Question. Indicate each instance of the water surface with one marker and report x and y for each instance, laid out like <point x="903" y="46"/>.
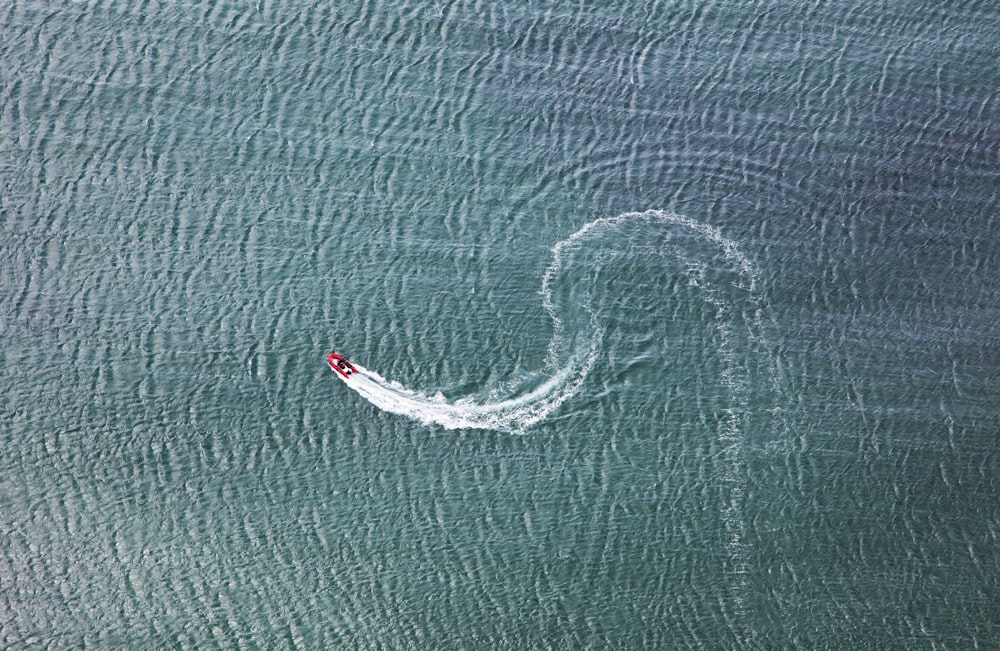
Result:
<point x="774" y="418"/>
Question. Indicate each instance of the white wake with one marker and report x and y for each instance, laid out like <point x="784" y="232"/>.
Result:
<point x="699" y="248"/>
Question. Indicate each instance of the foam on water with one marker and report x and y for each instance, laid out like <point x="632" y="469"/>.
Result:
<point x="571" y="355"/>
<point x="716" y="271"/>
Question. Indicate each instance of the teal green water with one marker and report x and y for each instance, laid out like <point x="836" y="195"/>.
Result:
<point x="678" y="321"/>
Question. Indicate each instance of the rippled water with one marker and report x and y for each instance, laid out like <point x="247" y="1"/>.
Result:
<point x="680" y="321"/>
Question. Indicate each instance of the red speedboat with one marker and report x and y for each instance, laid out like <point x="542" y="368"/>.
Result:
<point x="340" y="364"/>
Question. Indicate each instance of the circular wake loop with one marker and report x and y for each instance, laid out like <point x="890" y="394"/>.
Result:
<point x="574" y="297"/>
<point x="590" y="287"/>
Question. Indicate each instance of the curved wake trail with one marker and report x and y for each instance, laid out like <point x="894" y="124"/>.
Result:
<point x="715" y="271"/>
<point x="699" y="248"/>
